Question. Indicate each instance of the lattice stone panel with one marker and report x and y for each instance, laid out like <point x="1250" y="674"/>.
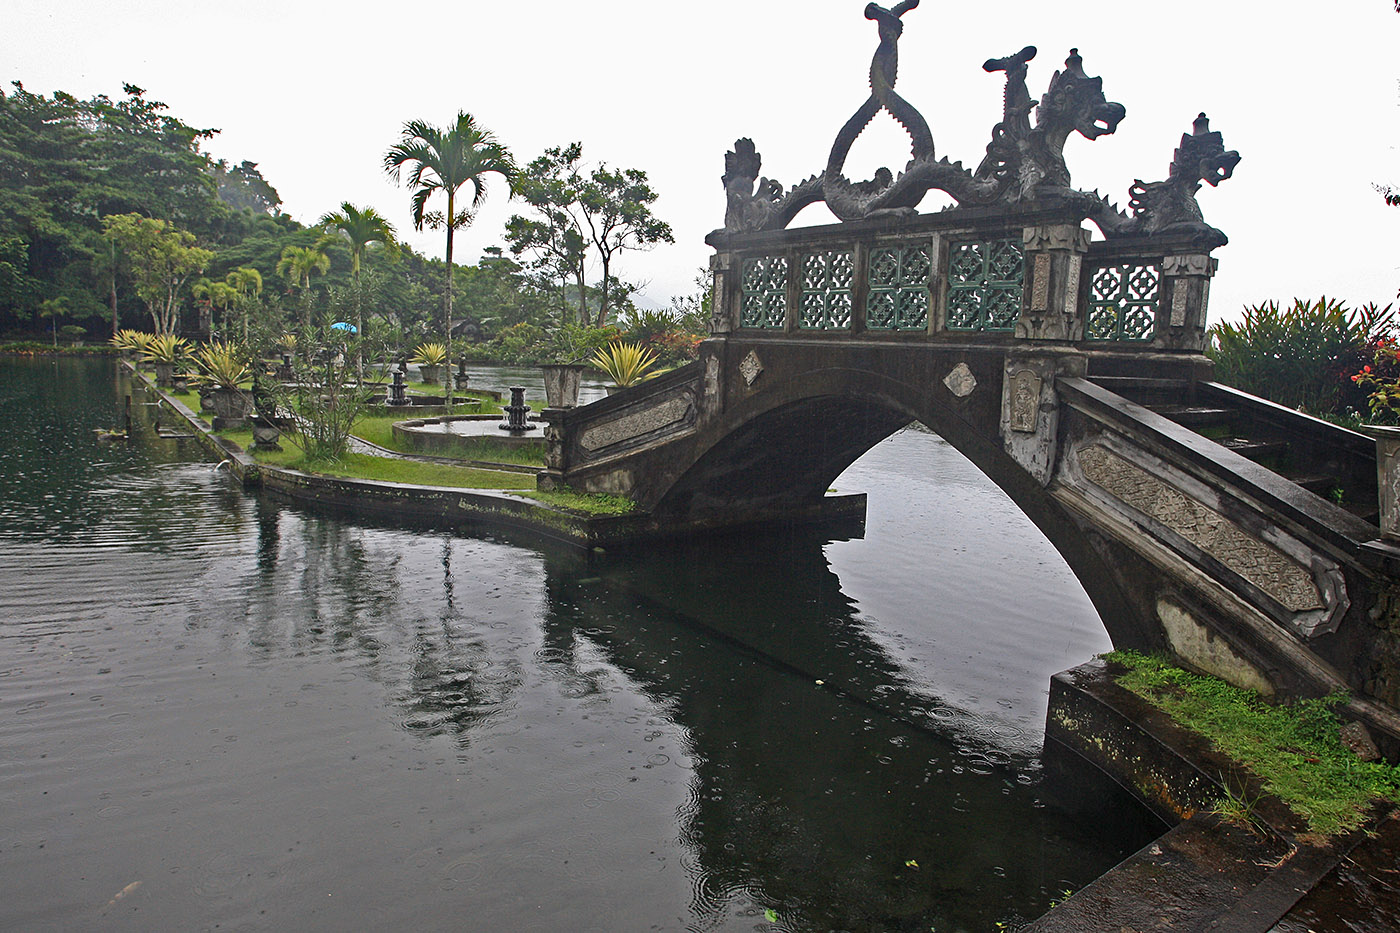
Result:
<point x="899" y="297"/>
<point x="985" y="279"/>
<point x="764" y="292"/>
<point x="827" y="278"/>
<point x="1123" y="303"/>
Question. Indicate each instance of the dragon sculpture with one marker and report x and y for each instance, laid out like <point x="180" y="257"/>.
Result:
<point x="1170" y="206"/>
<point x="1024" y="163"/>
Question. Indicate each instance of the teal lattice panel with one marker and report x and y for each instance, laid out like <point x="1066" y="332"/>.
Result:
<point x="1123" y="303"/>
<point x="985" y="278"/>
<point x="827" y="278"/>
<point x="898" y="297"/>
<point x="764" y="288"/>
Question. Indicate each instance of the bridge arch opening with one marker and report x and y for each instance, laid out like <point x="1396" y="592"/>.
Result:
<point x="786" y="449"/>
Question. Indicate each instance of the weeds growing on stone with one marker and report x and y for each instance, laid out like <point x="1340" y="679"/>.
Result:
<point x="1295" y="750"/>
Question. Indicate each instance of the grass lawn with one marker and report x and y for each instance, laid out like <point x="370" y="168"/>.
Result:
<point x="386" y="469"/>
<point x="1295" y="750"/>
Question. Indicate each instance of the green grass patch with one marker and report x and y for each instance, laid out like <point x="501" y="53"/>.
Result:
<point x="593" y="503"/>
<point x="384" y="469"/>
<point x="1295" y="750"/>
<point x="378" y="429"/>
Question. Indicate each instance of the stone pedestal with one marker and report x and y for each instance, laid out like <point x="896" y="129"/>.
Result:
<point x="1054" y="265"/>
<point x="1181" y="316"/>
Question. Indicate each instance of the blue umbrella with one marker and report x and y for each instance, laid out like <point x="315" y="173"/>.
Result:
<point x="341" y="325"/>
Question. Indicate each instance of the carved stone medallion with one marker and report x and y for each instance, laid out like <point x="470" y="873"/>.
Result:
<point x="960" y="381"/>
<point x="751" y="368"/>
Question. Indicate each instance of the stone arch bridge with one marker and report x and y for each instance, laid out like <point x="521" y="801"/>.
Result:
<point x="1240" y="536"/>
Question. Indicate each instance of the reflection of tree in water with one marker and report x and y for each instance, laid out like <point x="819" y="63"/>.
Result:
<point x="811" y="798"/>
<point x="57" y="483"/>
<point x="391" y="603"/>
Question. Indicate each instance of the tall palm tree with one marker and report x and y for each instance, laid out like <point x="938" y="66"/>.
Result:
<point x="445" y="160"/>
<point x="362" y="229"/>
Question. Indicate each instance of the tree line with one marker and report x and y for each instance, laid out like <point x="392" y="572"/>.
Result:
<point x="113" y="215"/>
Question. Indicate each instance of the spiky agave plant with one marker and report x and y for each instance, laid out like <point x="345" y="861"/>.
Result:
<point x="625" y="364"/>
<point x="165" y="348"/>
<point x="223" y="365"/>
<point x="131" y="341"/>
<point x="429" y="354"/>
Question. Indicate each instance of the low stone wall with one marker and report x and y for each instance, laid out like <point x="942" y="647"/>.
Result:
<point x="1203" y="873"/>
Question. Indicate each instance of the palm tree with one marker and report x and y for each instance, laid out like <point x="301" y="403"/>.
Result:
<point x="445" y="160"/>
<point x="248" y="283"/>
<point x="362" y="229"/>
<point x="296" y="266"/>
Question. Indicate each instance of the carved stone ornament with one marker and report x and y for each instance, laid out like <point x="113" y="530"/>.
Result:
<point x="1190" y="264"/>
<point x="1025" y="401"/>
<point x="1284" y="579"/>
<point x="960" y="381"/>
<point x="668" y="413"/>
<point x="1024" y="162"/>
<point x="751" y="367"/>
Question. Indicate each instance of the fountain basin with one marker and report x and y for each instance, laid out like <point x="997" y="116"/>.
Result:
<point x="464" y="435"/>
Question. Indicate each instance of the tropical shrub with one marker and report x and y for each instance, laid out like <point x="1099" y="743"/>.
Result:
<point x="222" y="365"/>
<point x="429" y="354"/>
<point x="130" y="341"/>
<point x="1303" y="356"/>
<point x="625" y="364"/>
<point x="1379" y="377"/>
<point x="166" y="348"/>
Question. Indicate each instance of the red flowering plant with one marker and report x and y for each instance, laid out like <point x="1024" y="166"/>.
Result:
<point x="1380" y="379"/>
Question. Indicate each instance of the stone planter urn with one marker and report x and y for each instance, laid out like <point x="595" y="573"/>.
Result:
<point x="206" y="400"/>
<point x="231" y="407"/>
<point x="432" y="375"/>
<point x="165" y="375"/>
<point x="561" y="382"/>
<point x="265" y="434"/>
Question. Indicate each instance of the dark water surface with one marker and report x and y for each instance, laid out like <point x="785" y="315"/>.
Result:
<point x="218" y="712"/>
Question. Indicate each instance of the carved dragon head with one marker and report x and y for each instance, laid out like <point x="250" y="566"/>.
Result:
<point x="1201" y="157"/>
<point x="1075" y="102"/>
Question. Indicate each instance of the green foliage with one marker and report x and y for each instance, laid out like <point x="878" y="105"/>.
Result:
<point x="1379" y="377"/>
<point x="582" y="215"/>
<point x="223" y="365"/>
<point x="162" y="259"/>
<point x="1296" y="751"/>
<point x="625" y="364"/>
<point x="1303" y="356"/>
<point x="429" y="354"/>
<point x="127" y="340"/>
<point x="445" y="161"/>
<point x="166" y="348"/>
<point x="66" y="163"/>
<point x="243" y="187"/>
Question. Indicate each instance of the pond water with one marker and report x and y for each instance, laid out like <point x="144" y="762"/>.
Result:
<point x="217" y="711"/>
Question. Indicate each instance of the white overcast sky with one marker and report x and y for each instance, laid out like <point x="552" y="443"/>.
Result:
<point x="315" y="92"/>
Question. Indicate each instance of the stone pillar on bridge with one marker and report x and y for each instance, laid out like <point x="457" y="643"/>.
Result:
<point x="724" y="316"/>
<point x="1054" y="265"/>
<point x="1181" y="316"/>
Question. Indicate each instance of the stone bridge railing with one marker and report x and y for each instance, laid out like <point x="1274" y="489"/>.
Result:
<point x="968" y="274"/>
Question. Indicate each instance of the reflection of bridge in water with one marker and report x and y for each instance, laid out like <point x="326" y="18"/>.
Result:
<point x="1068" y="369"/>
